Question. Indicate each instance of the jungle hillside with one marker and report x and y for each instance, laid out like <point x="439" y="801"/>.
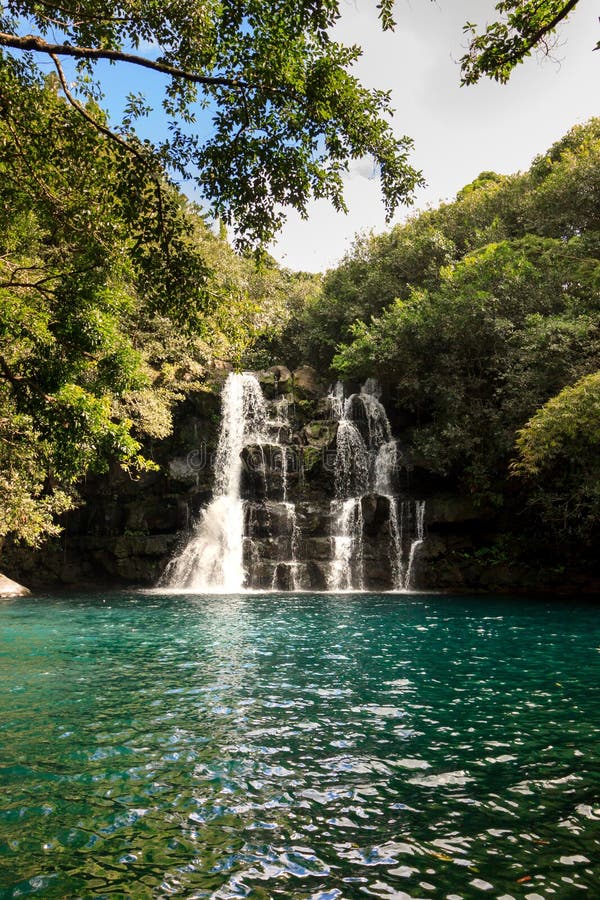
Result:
<point x="119" y="296"/>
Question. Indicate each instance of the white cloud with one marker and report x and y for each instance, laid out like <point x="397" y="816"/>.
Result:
<point x="458" y="132"/>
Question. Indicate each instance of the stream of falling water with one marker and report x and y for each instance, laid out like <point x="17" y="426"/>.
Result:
<point x="366" y="461"/>
<point x="212" y="559"/>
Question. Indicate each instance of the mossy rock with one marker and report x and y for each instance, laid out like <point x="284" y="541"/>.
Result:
<point x="320" y="433"/>
<point x="311" y="457"/>
<point x="275" y="382"/>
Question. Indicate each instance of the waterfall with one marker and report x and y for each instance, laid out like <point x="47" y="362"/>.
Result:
<point x="351" y="478"/>
<point x="351" y="475"/>
<point x="260" y="530"/>
<point x="366" y="462"/>
<point x="212" y="560"/>
<point x="378" y="425"/>
<point x="291" y="566"/>
<point x="416" y="543"/>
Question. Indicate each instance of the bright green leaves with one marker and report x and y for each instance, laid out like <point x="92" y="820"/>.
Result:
<point x="472" y="358"/>
<point x="559" y="456"/>
<point x="291" y="136"/>
<point x="84" y="436"/>
<point x="523" y="26"/>
<point x="501" y="322"/>
<point x="564" y="431"/>
<point x="288" y="116"/>
<point x="78" y="248"/>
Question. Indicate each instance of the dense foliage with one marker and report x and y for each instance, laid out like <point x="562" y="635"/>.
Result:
<point x="473" y="316"/>
<point x="558" y="453"/>
<point x="262" y="106"/>
<point x="114" y="298"/>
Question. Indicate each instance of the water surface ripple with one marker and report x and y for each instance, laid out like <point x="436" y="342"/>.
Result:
<point x="299" y="746"/>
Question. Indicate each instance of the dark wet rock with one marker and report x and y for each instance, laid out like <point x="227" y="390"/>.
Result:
<point x="267" y="519"/>
<point x="265" y="471"/>
<point x="314" y="518"/>
<point x="453" y="508"/>
<point x="316" y="548"/>
<point x="376" y="512"/>
<point x="319" y="433"/>
<point x="318" y="573"/>
<point x="289" y="576"/>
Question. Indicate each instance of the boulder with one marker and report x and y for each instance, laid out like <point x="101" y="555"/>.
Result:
<point x="307" y="384"/>
<point x="10" y="588"/>
<point x="275" y="382"/>
<point x="319" y="433"/>
<point x="283" y="379"/>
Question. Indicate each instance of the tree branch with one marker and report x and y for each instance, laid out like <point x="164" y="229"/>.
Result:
<point x="495" y="53"/>
<point x="39" y="45"/>
<point x="550" y="26"/>
<point x="40" y="183"/>
<point x="17" y="381"/>
<point x="81" y="109"/>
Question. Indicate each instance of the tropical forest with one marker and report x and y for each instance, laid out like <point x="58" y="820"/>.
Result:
<point x="300" y="567"/>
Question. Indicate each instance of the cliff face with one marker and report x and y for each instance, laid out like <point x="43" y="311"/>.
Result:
<point x="307" y="525"/>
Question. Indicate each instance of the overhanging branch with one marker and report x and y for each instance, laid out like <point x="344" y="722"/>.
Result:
<point x="549" y="26"/>
<point x="94" y="122"/>
<point x="37" y="44"/>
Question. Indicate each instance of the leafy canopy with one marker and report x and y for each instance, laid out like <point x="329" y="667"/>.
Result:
<point x="287" y="116"/>
<point x="114" y="296"/>
<point x="558" y="455"/>
<point x="522" y="26"/>
<point x="474" y="315"/>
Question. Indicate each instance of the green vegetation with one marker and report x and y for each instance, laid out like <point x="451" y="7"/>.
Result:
<point x="115" y="298"/>
<point x="558" y="452"/>
<point x="474" y="315"/>
<point x="282" y="113"/>
<point x="522" y="26"/>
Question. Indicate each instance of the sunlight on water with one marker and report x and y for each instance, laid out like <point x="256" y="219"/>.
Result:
<point x="299" y="746"/>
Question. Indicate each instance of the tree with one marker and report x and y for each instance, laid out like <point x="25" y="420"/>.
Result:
<point x="502" y="346"/>
<point x="287" y="114"/>
<point x="558" y="456"/>
<point x="107" y="289"/>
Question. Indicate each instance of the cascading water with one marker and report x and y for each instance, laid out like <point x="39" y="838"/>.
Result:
<point x="366" y="462"/>
<point x="346" y="571"/>
<point x="261" y="529"/>
<point x="419" y="513"/>
<point x="351" y="482"/>
<point x="212" y="560"/>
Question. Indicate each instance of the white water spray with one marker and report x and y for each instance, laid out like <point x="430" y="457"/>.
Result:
<point x="212" y="560"/>
<point x="366" y="462"/>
